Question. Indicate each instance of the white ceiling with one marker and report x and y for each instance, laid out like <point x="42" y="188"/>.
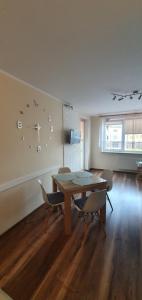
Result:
<point x="78" y="51"/>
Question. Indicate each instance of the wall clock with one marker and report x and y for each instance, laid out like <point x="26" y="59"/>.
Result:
<point x="45" y="123"/>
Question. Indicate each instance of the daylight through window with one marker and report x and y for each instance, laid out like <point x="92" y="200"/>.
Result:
<point x="122" y="135"/>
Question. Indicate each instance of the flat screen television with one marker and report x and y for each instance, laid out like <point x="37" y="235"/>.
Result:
<point x="74" y="136"/>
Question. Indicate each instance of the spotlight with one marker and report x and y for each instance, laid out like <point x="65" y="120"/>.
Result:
<point x="135" y="94"/>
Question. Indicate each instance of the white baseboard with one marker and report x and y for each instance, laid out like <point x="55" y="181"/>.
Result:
<point x="14" y="182"/>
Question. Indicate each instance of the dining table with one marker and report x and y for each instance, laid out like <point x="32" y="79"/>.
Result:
<point x="75" y="183"/>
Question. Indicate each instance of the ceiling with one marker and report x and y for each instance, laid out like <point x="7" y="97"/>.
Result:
<point x="78" y="51"/>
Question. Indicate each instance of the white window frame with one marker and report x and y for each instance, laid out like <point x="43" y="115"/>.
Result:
<point x="103" y="138"/>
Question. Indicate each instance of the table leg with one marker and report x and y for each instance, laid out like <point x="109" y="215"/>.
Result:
<point x="103" y="214"/>
<point x="54" y="189"/>
<point x="67" y="214"/>
<point x="54" y="186"/>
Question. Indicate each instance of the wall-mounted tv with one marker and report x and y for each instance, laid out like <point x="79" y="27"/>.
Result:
<point x="74" y="136"/>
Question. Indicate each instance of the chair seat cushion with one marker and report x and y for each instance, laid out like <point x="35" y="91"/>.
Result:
<point x="80" y="202"/>
<point x="55" y="198"/>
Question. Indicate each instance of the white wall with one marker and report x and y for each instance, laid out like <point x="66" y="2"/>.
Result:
<point x="19" y="201"/>
<point x="112" y="161"/>
<point x="18" y="154"/>
<point x="19" y="159"/>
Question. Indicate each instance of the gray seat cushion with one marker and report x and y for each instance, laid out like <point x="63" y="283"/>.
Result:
<point x="80" y="202"/>
<point x="55" y="198"/>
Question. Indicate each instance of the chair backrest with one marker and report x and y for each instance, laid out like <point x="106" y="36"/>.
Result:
<point x="44" y="194"/>
<point x="95" y="201"/>
<point x="108" y="174"/>
<point x="64" y="170"/>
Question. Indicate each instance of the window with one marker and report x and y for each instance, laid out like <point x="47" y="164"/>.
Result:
<point x="122" y="135"/>
<point x="112" y="136"/>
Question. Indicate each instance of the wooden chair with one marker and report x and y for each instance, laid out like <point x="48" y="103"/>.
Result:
<point x="52" y="199"/>
<point x="90" y="207"/>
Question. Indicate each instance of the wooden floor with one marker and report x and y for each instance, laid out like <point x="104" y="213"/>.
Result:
<point x="37" y="261"/>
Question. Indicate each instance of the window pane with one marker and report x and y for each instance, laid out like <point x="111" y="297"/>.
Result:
<point x="133" y="142"/>
<point x="113" y="137"/>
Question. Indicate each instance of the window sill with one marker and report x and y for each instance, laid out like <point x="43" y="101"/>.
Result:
<point x="121" y="152"/>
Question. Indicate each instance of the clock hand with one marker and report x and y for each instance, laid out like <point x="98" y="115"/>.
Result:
<point x="38" y="128"/>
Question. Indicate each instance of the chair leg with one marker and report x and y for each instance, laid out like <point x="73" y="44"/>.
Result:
<point x="109" y="201"/>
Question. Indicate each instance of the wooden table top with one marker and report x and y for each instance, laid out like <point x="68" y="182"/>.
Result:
<point x="76" y="182"/>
